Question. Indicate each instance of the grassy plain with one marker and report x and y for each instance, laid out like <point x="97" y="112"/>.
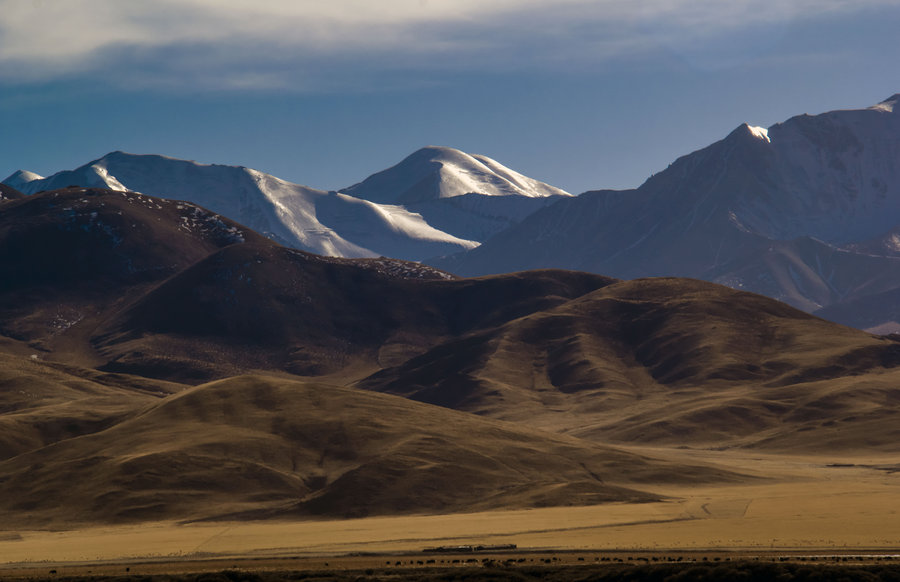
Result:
<point x="813" y="505"/>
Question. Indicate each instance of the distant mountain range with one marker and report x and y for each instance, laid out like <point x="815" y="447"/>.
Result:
<point x="437" y="201"/>
<point x="806" y="211"/>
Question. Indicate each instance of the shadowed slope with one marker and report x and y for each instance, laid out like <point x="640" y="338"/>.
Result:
<point x="9" y="193"/>
<point x="879" y="312"/>
<point x="261" y="447"/>
<point x="667" y="361"/>
<point x="805" y="212"/>
<point x="267" y="307"/>
<point x="69" y="257"/>
<point x="171" y="290"/>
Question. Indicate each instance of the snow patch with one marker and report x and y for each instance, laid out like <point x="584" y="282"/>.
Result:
<point x="887" y="105"/>
<point x="759" y="132"/>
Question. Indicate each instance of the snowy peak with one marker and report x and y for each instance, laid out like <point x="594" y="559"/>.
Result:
<point x="744" y="133"/>
<point x="805" y="211"/>
<point x="433" y="173"/>
<point x="325" y="223"/>
<point x="20" y="179"/>
<point x="92" y="175"/>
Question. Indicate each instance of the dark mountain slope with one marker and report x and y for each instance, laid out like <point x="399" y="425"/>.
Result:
<point x="165" y="288"/>
<point x="70" y="256"/>
<point x="268" y="307"/>
<point x="9" y="193"/>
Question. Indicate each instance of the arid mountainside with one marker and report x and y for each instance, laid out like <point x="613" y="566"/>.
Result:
<point x="160" y="362"/>
<point x="43" y="403"/>
<point x="134" y="283"/>
<point x="255" y="448"/>
<point x="670" y="361"/>
<point x="268" y="307"/>
<point x="68" y="258"/>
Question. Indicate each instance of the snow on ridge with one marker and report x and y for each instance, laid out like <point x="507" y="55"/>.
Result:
<point x="436" y="172"/>
<point x="759" y="132"/>
<point x="888" y="104"/>
<point x="383" y="218"/>
<point x="484" y="175"/>
<point x="106" y="179"/>
<point x="475" y="173"/>
<point x="321" y="222"/>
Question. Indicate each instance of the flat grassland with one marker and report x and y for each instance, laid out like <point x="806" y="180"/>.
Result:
<point x="811" y="505"/>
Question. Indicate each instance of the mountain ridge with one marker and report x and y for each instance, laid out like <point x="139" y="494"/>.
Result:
<point x="720" y="212"/>
<point x="328" y="223"/>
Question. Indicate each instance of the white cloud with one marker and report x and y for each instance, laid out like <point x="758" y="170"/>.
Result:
<point x="246" y="43"/>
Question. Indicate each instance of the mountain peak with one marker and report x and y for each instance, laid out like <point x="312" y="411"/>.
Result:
<point x="435" y="172"/>
<point x="754" y="132"/>
<point x="21" y="177"/>
<point x="759" y="132"/>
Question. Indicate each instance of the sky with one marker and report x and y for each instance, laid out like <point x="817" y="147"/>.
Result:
<point x="582" y="94"/>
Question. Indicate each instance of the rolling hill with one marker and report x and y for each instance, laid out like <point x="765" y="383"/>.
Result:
<point x="141" y="284"/>
<point x="253" y="448"/>
<point x="671" y="362"/>
<point x="161" y="362"/>
<point x="69" y="258"/>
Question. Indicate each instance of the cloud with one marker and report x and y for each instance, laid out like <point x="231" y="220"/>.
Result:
<point x="311" y="44"/>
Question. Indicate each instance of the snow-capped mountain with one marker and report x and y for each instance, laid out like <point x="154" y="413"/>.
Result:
<point x="440" y="172"/>
<point x="20" y="178"/>
<point x="806" y="211"/>
<point x="326" y="223"/>
<point x="469" y="196"/>
<point x="363" y="222"/>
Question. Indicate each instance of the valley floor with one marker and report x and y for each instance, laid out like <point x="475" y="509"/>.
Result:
<point x="814" y="505"/>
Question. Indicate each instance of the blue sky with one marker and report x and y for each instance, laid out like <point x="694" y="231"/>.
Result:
<point x="580" y="94"/>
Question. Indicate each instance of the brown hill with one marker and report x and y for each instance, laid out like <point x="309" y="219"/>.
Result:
<point x="256" y="447"/>
<point x="70" y="257"/>
<point x="265" y="307"/>
<point x="167" y="289"/>
<point x="42" y="403"/>
<point x="9" y="193"/>
<point x="135" y="285"/>
<point x="670" y="361"/>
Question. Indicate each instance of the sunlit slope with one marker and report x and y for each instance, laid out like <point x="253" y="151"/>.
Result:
<point x="670" y="361"/>
<point x="43" y="403"/>
<point x="256" y="447"/>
